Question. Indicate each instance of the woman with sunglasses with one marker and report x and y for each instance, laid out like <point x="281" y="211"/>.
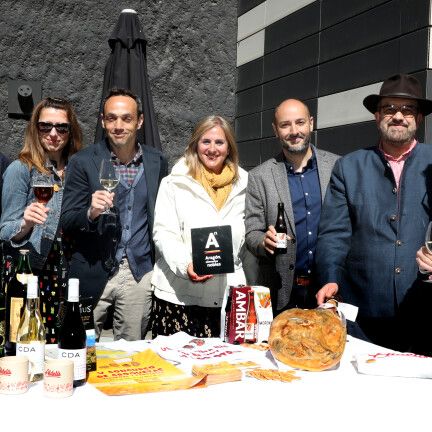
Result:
<point x="52" y="136"/>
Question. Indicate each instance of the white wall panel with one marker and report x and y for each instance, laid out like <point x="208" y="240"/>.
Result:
<point x="251" y="22"/>
<point x="250" y="48"/>
<point x="345" y="107"/>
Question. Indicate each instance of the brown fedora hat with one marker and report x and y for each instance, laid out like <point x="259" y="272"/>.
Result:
<point x="399" y="86"/>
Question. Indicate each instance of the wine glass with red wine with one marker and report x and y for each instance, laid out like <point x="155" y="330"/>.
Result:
<point x="43" y="187"/>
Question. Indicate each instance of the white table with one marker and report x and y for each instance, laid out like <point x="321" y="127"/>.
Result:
<point x="337" y="400"/>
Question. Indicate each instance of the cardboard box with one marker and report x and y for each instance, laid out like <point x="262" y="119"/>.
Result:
<point x="235" y="307"/>
<point x="263" y="308"/>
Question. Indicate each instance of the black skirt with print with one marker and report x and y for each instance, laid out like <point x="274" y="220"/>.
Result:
<point x="197" y="321"/>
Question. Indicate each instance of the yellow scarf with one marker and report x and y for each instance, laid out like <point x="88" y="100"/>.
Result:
<point x="218" y="186"/>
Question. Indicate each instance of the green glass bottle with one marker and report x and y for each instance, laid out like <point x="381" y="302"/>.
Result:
<point x="15" y="298"/>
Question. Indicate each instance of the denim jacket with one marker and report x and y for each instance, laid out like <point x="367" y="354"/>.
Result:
<point x="17" y="194"/>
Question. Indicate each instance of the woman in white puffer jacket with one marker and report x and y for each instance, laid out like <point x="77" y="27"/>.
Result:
<point x="206" y="188"/>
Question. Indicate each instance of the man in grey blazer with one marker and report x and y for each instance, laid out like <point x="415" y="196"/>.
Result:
<point x="298" y="178"/>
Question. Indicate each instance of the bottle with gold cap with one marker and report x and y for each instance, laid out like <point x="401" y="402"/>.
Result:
<point x="31" y="331"/>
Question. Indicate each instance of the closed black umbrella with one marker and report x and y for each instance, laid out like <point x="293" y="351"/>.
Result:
<point x="127" y="68"/>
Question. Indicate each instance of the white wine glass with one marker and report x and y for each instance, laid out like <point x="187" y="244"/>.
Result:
<point x="108" y="178"/>
<point x="428" y="238"/>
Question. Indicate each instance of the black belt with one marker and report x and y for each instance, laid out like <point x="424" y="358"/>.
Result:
<point x="303" y="280"/>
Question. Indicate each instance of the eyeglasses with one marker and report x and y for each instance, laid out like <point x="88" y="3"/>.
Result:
<point x="405" y="110"/>
<point x="61" y="128"/>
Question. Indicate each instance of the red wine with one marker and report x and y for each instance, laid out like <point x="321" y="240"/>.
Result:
<point x="72" y="336"/>
<point x="43" y="193"/>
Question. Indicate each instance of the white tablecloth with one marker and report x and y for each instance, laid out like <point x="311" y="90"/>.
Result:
<point x="336" y="400"/>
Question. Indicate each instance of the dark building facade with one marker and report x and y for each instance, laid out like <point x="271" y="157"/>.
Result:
<point x="63" y="45"/>
<point x="330" y="54"/>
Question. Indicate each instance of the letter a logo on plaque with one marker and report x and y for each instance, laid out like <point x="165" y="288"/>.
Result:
<point x="212" y="250"/>
<point x="211" y="241"/>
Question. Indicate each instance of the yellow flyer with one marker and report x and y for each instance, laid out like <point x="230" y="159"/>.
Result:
<point x="142" y="372"/>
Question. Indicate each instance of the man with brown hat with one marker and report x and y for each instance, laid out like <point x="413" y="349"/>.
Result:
<point x="375" y="215"/>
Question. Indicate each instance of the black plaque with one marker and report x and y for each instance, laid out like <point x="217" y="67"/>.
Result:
<point x="212" y="250"/>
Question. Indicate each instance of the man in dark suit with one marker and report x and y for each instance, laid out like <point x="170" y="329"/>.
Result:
<point x="375" y="215"/>
<point x="298" y="178"/>
<point x="113" y="254"/>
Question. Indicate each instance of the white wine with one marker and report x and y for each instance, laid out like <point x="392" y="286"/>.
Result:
<point x="109" y="184"/>
<point x="15" y="298"/>
<point x="31" y="332"/>
<point x="72" y="336"/>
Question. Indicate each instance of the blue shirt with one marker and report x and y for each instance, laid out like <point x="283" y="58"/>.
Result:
<point x="305" y="194"/>
<point x="131" y="201"/>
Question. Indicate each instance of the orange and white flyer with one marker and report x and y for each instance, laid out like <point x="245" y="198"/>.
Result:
<point x="140" y="373"/>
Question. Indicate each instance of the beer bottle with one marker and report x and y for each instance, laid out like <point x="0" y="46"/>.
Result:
<point x="281" y="231"/>
<point x="251" y="321"/>
<point x="227" y="315"/>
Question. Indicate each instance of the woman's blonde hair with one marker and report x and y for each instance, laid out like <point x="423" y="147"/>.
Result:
<point x="192" y="160"/>
<point x="33" y="154"/>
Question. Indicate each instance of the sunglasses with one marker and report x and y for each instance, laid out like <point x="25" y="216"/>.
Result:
<point x="405" y="110"/>
<point x="61" y="128"/>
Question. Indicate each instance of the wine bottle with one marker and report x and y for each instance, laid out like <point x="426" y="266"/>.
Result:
<point x="72" y="336"/>
<point x="227" y="315"/>
<point x="15" y="296"/>
<point x="31" y="332"/>
<point x="281" y="231"/>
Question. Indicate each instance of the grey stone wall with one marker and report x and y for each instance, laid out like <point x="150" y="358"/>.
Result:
<point x="191" y="59"/>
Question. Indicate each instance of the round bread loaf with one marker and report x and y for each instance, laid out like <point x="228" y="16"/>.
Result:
<point x="309" y="339"/>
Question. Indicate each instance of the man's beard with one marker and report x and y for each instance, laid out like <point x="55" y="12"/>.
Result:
<point x="398" y="139"/>
<point x="297" y="149"/>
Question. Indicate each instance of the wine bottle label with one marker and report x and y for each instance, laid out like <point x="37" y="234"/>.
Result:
<point x="16" y="303"/>
<point x="35" y="352"/>
<point x="79" y="357"/>
<point x="281" y="241"/>
<point x="23" y="277"/>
